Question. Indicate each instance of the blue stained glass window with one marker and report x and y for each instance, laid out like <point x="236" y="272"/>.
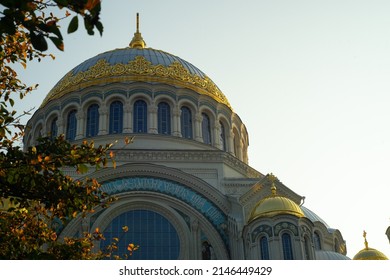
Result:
<point x="53" y="129"/>
<point x="206" y="129"/>
<point x="155" y="235"/>
<point x="92" y="120"/>
<point x="223" y="137"/>
<point x="116" y="117"/>
<point x="264" y="252"/>
<point x="71" y="126"/>
<point x="186" y="122"/>
<point x="140" y="117"/>
<point x="287" y="246"/>
<point x="164" y="118"/>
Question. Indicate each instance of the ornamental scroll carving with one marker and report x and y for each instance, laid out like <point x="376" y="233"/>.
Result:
<point x="136" y="69"/>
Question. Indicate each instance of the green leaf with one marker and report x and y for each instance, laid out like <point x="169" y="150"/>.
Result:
<point x="57" y="42"/>
<point x="73" y="25"/>
<point x="82" y="168"/>
<point x="38" y="41"/>
<point x="99" y="27"/>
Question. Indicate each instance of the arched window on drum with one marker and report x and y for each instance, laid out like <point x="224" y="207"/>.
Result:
<point x="186" y="122"/>
<point x="287" y="246"/>
<point x="116" y="117"/>
<point x="140" y="117"/>
<point x="71" y="125"/>
<point x="264" y="250"/>
<point x="92" y="120"/>
<point x="164" y="118"/>
<point x="53" y="129"/>
<point x="206" y="129"/>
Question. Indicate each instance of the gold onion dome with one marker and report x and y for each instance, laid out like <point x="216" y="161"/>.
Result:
<point x="136" y="63"/>
<point x="368" y="253"/>
<point x="275" y="205"/>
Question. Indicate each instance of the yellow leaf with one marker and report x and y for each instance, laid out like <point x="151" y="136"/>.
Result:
<point x="125" y="228"/>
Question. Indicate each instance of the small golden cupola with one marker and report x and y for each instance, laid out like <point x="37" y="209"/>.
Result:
<point x="137" y="41"/>
<point x="368" y="253"/>
<point x="275" y="204"/>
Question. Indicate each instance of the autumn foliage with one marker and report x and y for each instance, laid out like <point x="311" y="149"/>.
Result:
<point x="36" y="197"/>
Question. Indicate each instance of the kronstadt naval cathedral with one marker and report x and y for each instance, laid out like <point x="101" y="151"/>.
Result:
<point x="184" y="186"/>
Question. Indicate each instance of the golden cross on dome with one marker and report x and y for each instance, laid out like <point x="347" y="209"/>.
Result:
<point x="365" y="239"/>
<point x="272" y="178"/>
<point x="137" y="22"/>
<point x="137" y="41"/>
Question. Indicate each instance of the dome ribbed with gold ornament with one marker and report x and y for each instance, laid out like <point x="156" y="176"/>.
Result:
<point x="275" y="204"/>
<point x="368" y="253"/>
<point x="136" y="63"/>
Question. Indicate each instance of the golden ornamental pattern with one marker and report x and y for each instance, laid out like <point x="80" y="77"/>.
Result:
<point x="136" y="69"/>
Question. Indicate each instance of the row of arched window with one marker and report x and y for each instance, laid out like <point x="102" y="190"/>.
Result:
<point x="287" y="246"/>
<point x="140" y="122"/>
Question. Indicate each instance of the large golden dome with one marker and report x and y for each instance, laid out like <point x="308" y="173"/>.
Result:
<point x="369" y="253"/>
<point x="275" y="205"/>
<point x="133" y="64"/>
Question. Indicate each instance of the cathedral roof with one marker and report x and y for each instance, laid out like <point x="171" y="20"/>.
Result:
<point x="136" y="63"/>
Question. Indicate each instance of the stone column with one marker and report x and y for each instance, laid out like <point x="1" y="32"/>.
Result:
<point x="217" y="135"/>
<point x="103" y="116"/>
<point x="176" y="125"/>
<point x="60" y="126"/>
<point x="152" y="119"/>
<point x="198" y="127"/>
<point x="127" y="118"/>
<point x="80" y="116"/>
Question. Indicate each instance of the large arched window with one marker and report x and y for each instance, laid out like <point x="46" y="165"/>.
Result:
<point x="186" y="122"/>
<point x="164" y="118"/>
<point x="264" y="252"/>
<point x="206" y="129"/>
<point x="155" y="235"/>
<point x="223" y="137"/>
<point x="92" y="120"/>
<point x="53" y="129"/>
<point x="287" y="247"/>
<point x="140" y="117"/>
<point x="116" y="117"/>
<point x="71" y="125"/>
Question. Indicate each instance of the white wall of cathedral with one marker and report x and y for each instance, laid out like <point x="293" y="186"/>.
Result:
<point x="235" y="135"/>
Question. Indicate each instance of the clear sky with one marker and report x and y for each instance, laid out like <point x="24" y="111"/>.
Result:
<point x="310" y="80"/>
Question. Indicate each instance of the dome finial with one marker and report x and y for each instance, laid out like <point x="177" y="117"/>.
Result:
<point x="365" y="239"/>
<point x="137" y="41"/>
<point x="272" y="179"/>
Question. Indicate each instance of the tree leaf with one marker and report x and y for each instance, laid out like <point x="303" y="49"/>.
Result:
<point x="73" y="25"/>
<point x="38" y="41"/>
<point x="82" y="168"/>
<point x="57" y="42"/>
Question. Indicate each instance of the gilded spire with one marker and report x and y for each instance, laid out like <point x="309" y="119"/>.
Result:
<point x="137" y="41"/>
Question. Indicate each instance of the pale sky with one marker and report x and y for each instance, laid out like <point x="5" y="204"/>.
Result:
<point x="310" y="80"/>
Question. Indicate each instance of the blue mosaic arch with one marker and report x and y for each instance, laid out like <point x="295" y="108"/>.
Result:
<point x="197" y="201"/>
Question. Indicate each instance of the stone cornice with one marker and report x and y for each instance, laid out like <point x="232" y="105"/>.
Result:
<point x="211" y="156"/>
